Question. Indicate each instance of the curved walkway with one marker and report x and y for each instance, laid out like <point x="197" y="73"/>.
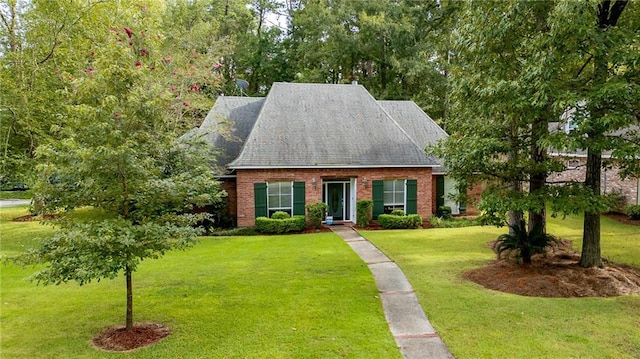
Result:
<point x="410" y="327"/>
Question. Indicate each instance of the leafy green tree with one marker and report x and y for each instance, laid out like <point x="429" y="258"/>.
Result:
<point x="119" y="153"/>
<point x="44" y="44"/>
<point x="601" y="84"/>
<point x="501" y="105"/>
<point x="35" y="39"/>
<point x="520" y="65"/>
<point x="396" y="49"/>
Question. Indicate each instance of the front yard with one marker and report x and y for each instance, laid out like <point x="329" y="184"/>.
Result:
<point x="299" y="296"/>
<point x="479" y="323"/>
<point x="310" y="296"/>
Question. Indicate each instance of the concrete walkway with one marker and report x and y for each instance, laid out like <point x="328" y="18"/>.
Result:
<point x="14" y="202"/>
<point x="410" y="327"/>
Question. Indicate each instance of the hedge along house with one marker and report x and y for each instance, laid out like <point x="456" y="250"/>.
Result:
<point x="305" y="143"/>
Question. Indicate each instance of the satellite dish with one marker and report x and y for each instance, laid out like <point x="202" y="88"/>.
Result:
<point x="242" y="85"/>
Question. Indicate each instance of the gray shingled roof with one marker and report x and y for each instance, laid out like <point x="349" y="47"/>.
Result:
<point x="228" y="125"/>
<point x="416" y="123"/>
<point x="323" y="125"/>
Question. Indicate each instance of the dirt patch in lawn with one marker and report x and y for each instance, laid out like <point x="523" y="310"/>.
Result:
<point x="119" y="339"/>
<point x="557" y="274"/>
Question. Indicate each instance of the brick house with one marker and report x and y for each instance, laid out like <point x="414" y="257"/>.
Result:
<point x="575" y="165"/>
<point x="305" y="143"/>
<point x="610" y="180"/>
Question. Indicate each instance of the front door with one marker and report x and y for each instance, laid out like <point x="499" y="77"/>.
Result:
<point x="335" y="200"/>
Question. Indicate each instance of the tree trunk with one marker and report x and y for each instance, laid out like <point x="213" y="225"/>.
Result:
<point x="591" y="256"/>
<point x="515" y="216"/>
<point x="129" y="299"/>
<point x="608" y="15"/>
<point x="538" y="179"/>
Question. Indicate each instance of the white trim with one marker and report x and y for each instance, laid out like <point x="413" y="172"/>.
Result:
<point x="350" y="197"/>
<point x="393" y="193"/>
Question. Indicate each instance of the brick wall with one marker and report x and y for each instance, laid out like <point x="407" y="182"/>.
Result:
<point x="229" y="185"/>
<point x="609" y="179"/>
<point x="246" y="178"/>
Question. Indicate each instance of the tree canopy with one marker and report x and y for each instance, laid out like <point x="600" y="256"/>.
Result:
<point x="118" y="149"/>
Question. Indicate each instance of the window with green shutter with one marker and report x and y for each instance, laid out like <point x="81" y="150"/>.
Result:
<point x="389" y="195"/>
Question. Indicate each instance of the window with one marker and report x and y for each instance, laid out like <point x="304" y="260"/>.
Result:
<point x="393" y="195"/>
<point x="279" y="197"/>
<point x="388" y="195"/>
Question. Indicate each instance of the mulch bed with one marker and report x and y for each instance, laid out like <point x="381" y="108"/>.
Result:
<point x="557" y="274"/>
<point x="119" y="339"/>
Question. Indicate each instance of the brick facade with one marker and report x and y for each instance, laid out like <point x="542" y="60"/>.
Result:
<point x="245" y="180"/>
<point x="609" y="179"/>
<point x="229" y="185"/>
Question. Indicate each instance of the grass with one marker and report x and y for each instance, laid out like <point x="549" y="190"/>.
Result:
<point x="28" y="194"/>
<point x="299" y="296"/>
<point x="479" y="323"/>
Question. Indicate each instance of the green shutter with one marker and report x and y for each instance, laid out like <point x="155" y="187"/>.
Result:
<point x="260" y="198"/>
<point x="439" y="192"/>
<point x="411" y="207"/>
<point x="377" y="192"/>
<point x="298" y="198"/>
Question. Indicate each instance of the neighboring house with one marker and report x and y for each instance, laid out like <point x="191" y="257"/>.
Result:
<point x="305" y="143"/>
<point x="575" y="170"/>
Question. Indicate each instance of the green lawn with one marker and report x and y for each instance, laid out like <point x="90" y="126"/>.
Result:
<point x="300" y="296"/>
<point x="16" y="194"/>
<point x="479" y="323"/>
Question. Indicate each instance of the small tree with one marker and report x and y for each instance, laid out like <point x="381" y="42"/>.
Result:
<point x="119" y="153"/>
<point x="524" y="243"/>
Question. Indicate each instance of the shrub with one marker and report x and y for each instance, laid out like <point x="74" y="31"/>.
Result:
<point x="492" y="219"/>
<point x="315" y="213"/>
<point x="390" y="221"/>
<point x="280" y="215"/>
<point x="525" y="244"/>
<point x="397" y="212"/>
<point x="633" y="211"/>
<point x="277" y="226"/>
<point x="364" y="208"/>
<point x="444" y="212"/>
<point x="615" y="201"/>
